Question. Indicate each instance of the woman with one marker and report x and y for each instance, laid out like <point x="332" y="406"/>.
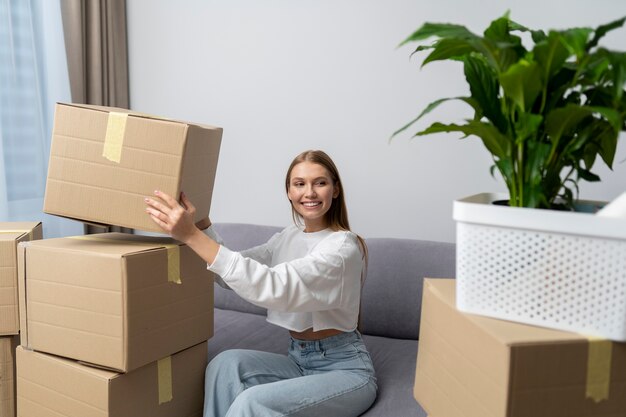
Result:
<point x="309" y="277"/>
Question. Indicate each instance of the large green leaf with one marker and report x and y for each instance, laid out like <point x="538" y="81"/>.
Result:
<point x="596" y="71"/>
<point x="564" y="120"/>
<point x="522" y="83"/>
<point x="440" y="30"/>
<point x="618" y="63"/>
<point x="498" y="144"/>
<point x="534" y="175"/>
<point x="576" y="40"/>
<point x="434" y="105"/>
<point x="550" y="55"/>
<point x="611" y="115"/>
<point x="527" y="126"/>
<point x="608" y="144"/>
<point x="507" y="48"/>
<point x="484" y="87"/>
<point x="537" y="156"/>
<point x="449" y="49"/>
<point x="602" y="30"/>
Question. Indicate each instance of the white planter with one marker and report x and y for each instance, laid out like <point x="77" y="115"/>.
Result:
<point x="564" y="270"/>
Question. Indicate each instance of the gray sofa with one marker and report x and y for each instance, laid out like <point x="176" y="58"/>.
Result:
<point x="390" y="312"/>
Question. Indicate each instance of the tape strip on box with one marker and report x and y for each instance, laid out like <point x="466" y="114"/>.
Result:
<point x="114" y="138"/>
<point x="165" y="380"/>
<point x="598" y="368"/>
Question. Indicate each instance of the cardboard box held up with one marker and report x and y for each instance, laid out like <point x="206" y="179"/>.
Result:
<point x="7" y="375"/>
<point x="104" y="161"/>
<point x="11" y="233"/>
<point x="114" y="300"/>
<point x="49" y="386"/>
<point x="473" y="366"/>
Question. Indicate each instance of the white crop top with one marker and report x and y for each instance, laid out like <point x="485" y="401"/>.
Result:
<point x="305" y="280"/>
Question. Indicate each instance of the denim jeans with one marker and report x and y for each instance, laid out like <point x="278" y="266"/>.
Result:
<point x="327" y="377"/>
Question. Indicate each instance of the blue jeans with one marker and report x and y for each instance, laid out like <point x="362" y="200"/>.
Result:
<point x="328" y="377"/>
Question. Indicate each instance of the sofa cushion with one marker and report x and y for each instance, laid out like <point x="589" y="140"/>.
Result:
<point x="392" y="295"/>
<point x="394" y="359"/>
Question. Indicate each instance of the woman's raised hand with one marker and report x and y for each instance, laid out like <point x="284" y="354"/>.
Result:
<point x="175" y="218"/>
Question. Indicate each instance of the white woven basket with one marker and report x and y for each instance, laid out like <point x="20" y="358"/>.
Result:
<point x="564" y="270"/>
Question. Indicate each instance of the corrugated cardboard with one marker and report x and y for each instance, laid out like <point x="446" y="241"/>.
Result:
<point x="11" y="233"/>
<point x="156" y="153"/>
<point x="7" y="375"/>
<point x="472" y="366"/>
<point x="49" y="386"/>
<point x="107" y="299"/>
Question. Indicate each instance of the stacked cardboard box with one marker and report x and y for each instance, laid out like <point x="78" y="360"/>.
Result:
<point x="471" y="366"/>
<point x="115" y="300"/>
<point x="104" y="161"/>
<point x="7" y="375"/>
<point x="11" y="234"/>
<point x="51" y="386"/>
<point x="115" y="325"/>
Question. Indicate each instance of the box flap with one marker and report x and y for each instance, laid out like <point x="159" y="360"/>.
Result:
<point x="11" y="234"/>
<point x="134" y="113"/>
<point x="15" y="230"/>
<point x="108" y="244"/>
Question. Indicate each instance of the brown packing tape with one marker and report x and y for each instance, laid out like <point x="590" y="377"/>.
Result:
<point x="114" y="137"/>
<point x="172" y="249"/>
<point x="598" y="368"/>
<point x="164" y="368"/>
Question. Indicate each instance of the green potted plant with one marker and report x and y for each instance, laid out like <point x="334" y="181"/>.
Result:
<point x="544" y="112"/>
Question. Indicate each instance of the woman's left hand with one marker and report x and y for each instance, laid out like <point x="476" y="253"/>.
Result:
<point x="175" y="218"/>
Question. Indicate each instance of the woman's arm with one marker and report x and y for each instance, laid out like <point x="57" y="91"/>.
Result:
<point x="176" y="219"/>
<point x="314" y="282"/>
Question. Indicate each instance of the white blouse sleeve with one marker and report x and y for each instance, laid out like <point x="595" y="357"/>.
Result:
<point x="312" y="283"/>
<point x="261" y="253"/>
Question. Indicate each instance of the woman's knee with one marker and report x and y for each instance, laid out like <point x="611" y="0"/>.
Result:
<point x="253" y="401"/>
<point x="230" y="362"/>
<point x="223" y="362"/>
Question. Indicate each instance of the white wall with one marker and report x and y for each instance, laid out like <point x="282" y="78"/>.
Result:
<point x="282" y="76"/>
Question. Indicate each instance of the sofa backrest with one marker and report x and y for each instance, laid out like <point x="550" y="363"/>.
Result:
<point x="391" y="304"/>
<point x="392" y="295"/>
<point x="240" y="236"/>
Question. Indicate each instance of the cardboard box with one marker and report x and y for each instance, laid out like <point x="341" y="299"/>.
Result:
<point x="11" y="234"/>
<point x="49" y="386"/>
<point x="110" y="299"/>
<point x="7" y="375"/>
<point x="104" y="161"/>
<point x="473" y="366"/>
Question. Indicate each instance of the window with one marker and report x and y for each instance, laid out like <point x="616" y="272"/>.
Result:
<point x="33" y="76"/>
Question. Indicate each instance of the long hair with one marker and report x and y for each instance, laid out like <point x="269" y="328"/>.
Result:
<point x="337" y="214"/>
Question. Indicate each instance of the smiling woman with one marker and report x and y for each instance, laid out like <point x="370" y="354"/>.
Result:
<point x="309" y="276"/>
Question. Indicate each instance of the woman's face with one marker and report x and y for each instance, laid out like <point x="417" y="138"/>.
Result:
<point x="311" y="192"/>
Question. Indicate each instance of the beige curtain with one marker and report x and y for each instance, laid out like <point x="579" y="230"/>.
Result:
<point x="97" y="59"/>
